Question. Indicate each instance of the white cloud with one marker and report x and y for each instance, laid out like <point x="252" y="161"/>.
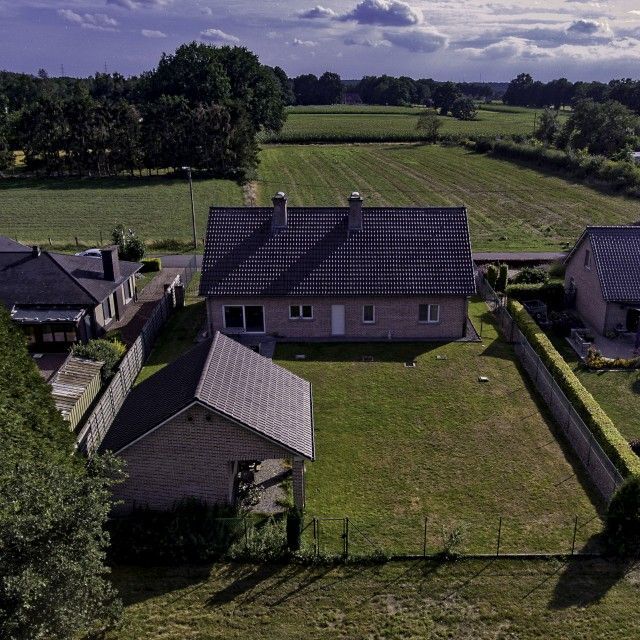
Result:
<point x="417" y="40"/>
<point x="152" y="33"/>
<point x="136" y="4"/>
<point x="386" y="13"/>
<point x="296" y="42"/>
<point x="216" y="35"/>
<point x="94" y="21"/>
<point x="317" y="12"/>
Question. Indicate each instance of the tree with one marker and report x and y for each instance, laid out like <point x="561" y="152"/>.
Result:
<point x="305" y="88"/>
<point x="464" y="108"/>
<point x="6" y="155"/>
<point x="445" y="94"/>
<point x="519" y="90"/>
<point x="286" y="86"/>
<point x="429" y="124"/>
<point x="548" y="126"/>
<point x="54" y="510"/>
<point x="329" y="89"/>
<point x="130" y="247"/>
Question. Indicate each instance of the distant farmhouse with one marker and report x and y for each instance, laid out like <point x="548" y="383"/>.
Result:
<point x="603" y="278"/>
<point x="60" y="299"/>
<point x="338" y="273"/>
<point x="188" y="430"/>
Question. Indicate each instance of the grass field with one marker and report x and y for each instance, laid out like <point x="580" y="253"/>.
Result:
<point x="511" y="206"/>
<point x="467" y="600"/>
<point x="394" y="124"/>
<point x="396" y="444"/>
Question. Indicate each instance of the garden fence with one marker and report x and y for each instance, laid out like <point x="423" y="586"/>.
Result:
<point x="602" y="472"/>
<point x="104" y="412"/>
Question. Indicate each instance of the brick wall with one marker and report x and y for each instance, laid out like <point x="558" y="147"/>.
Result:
<point x="589" y="302"/>
<point x="398" y="315"/>
<point x="190" y="456"/>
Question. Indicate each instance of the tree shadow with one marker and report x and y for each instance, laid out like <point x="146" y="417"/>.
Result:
<point x="249" y="579"/>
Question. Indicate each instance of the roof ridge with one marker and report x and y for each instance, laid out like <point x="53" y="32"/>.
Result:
<point x="51" y="256"/>
<point x="207" y="363"/>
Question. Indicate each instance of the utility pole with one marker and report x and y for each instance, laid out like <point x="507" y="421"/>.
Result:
<point x="193" y="209"/>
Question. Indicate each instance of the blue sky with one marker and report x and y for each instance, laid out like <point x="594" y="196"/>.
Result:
<point x="444" y="39"/>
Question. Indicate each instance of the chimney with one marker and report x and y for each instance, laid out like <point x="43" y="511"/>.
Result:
<point x="355" y="211"/>
<point x="35" y="250"/>
<point x="279" y="220"/>
<point x="110" y="263"/>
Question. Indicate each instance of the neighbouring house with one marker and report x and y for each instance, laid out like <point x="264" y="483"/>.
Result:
<point x="602" y="278"/>
<point x="60" y="299"/>
<point x="187" y="431"/>
<point x="341" y="273"/>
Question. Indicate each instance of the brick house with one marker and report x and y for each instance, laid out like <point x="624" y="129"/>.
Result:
<point x="338" y="273"/>
<point x="185" y="431"/>
<point x="60" y="299"/>
<point x="602" y="277"/>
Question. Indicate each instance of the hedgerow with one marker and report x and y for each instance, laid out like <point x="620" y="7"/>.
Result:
<point x="598" y="422"/>
<point x="551" y="293"/>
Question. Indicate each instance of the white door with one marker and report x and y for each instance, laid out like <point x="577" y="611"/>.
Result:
<point x="337" y="319"/>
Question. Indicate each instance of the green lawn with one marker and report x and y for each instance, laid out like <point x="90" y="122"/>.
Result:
<point x="618" y="392"/>
<point x="511" y="206"/>
<point x="396" y="444"/>
<point x="523" y="600"/>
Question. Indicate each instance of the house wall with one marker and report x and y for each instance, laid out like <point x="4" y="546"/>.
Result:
<point x="190" y="456"/>
<point x="119" y="308"/>
<point x="398" y="315"/>
<point x="589" y="301"/>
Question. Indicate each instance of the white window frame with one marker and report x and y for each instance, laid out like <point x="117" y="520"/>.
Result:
<point x="373" y="309"/>
<point x="129" y="287"/>
<point x="112" y="309"/>
<point x="244" y="318"/>
<point x="430" y="313"/>
<point x="587" y="260"/>
<point x="300" y="316"/>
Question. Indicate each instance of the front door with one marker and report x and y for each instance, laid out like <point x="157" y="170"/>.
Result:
<point x="254" y="319"/>
<point x="337" y="319"/>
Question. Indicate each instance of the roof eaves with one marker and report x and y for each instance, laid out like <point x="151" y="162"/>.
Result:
<point x="207" y="364"/>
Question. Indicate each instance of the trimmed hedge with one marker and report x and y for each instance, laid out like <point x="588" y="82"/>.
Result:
<point x="150" y="264"/>
<point x="551" y="293"/>
<point x="599" y="423"/>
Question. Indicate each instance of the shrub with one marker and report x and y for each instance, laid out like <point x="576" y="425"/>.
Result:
<point x="557" y="269"/>
<point x="492" y="275"/>
<point x="108" y="351"/>
<point x="551" y="293"/>
<point x="595" y="360"/>
<point x="151" y="264"/>
<point x="130" y="247"/>
<point x="503" y="275"/>
<point x="623" y="517"/>
<point x="598" y="422"/>
<point x="530" y="275"/>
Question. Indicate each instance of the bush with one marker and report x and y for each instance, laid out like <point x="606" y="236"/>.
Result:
<point x="530" y="275"/>
<point x="623" y="517"/>
<point x="503" y="275"/>
<point x="151" y="264"/>
<point x="129" y="246"/>
<point x="595" y="360"/>
<point x="108" y="351"/>
<point x="557" y="269"/>
<point x="551" y="293"/>
<point x="492" y="275"/>
<point x="598" y="422"/>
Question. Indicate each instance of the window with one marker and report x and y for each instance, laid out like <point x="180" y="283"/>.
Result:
<point x="129" y="289"/>
<point x="587" y="259"/>
<point x="300" y="311"/>
<point x="429" y="313"/>
<point x="246" y="318"/>
<point x="368" y="314"/>
<point x="107" y="309"/>
<point x="57" y="333"/>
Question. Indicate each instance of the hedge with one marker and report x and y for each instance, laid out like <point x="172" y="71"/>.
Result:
<point x="551" y="293"/>
<point x="150" y="264"/>
<point x="598" y="422"/>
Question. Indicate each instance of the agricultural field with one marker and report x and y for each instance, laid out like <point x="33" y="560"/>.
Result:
<point x="441" y="453"/>
<point x="511" y="206"/>
<point x="479" y="599"/>
<point x="338" y="123"/>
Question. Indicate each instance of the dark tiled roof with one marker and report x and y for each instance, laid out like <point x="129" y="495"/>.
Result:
<point x="616" y="253"/>
<point x="398" y="251"/>
<point x="55" y="279"/>
<point x="233" y="381"/>
<point x="7" y="244"/>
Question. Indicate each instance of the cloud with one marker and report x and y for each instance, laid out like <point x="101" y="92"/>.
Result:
<point x="94" y="21"/>
<point x="152" y="33"/>
<point x="366" y="42"/>
<point x="317" y="12"/>
<point x="587" y="27"/>
<point x="296" y="42"/>
<point x="417" y="40"/>
<point x="136" y="4"/>
<point x="386" y="13"/>
<point x="216" y="35"/>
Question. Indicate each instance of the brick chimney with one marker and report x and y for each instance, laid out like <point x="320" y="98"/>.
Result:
<point x="355" y="211"/>
<point x="279" y="220"/>
<point x="110" y="263"/>
<point x="35" y="250"/>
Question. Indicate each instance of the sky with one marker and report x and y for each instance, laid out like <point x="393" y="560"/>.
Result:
<point x="461" y="40"/>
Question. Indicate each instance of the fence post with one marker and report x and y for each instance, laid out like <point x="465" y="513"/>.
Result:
<point x="575" y="531"/>
<point x="346" y="537"/>
<point x="499" y="536"/>
<point x="424" y="539"/>
<point x="316" y="545"/>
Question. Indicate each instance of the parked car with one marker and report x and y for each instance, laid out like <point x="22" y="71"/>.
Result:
<point x="90" y="253"/>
